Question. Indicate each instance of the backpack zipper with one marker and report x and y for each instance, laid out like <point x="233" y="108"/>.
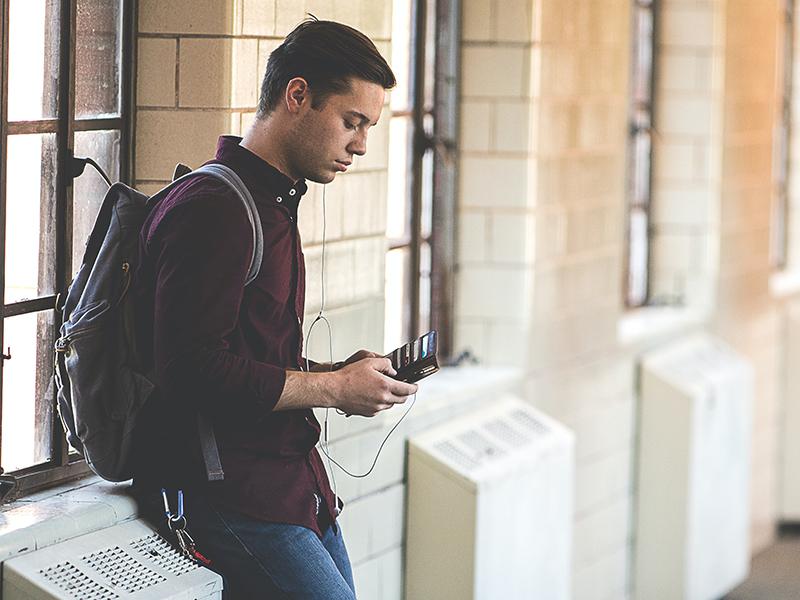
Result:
<point x="62" y="344"/>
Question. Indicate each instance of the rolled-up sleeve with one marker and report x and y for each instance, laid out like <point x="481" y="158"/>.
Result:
<point x="201" y="249"/>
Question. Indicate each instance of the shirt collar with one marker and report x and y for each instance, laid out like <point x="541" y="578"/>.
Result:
<point x="259" y="176"/>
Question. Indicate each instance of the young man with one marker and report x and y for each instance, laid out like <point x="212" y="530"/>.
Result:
<point x="236" y="352"/>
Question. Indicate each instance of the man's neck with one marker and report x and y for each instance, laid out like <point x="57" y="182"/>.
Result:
<point x="263" y="139"/>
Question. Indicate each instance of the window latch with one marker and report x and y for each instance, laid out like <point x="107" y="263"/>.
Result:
<point x="8" y="355"/>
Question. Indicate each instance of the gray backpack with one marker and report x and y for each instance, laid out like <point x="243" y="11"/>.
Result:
<point x="100" y="390"/>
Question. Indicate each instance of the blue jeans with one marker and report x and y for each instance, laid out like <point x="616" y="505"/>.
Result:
<point x="263" y="560"/>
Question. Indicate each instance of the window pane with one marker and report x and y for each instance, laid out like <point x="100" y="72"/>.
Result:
<point x="27" y="391"/>
<point x="90" y="188"/>
<point x="426" y="218"/>
<point x="401" y="54"/>
<point x="398" y="298"/>
<point x="644" y="54"/>
<point x="397" y="215"/>
<point x="638" y="258"/>
<point x="30" y="216"/>
<point x="97" y="58"/>
<point x="424" y="288"/>
<point x="33" y="59"/>
<point x="430" y="56"/>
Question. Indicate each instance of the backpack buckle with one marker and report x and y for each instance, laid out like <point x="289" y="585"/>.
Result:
<point x="62" y="344"/>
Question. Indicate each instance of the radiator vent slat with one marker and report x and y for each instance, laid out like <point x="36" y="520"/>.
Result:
<point x="70" y="579"/>
<point x="122" y="570"/>
<point x="126" y="560"/>
<point x="156" y="549"/>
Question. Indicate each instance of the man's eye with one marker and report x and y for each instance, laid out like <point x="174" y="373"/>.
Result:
<point x="349" y="125"/>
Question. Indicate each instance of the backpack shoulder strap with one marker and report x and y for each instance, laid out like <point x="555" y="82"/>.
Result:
<point x="227" y="175"/>
<point x="205" y="430"/>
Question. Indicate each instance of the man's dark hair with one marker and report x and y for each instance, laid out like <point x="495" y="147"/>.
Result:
<point x="326" y="54"/>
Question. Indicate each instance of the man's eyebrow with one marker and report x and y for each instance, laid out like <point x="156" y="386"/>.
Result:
<point x="363" y="117"/>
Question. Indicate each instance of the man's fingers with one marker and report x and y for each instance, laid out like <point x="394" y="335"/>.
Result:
<point x="384" y="365"/>
<point x="401" y="388"/>
<point x="362" y="354"/>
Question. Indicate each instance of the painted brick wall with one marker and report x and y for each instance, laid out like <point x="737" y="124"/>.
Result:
<point x="746" y="314"/>
<point x="541" y="218"/>
<point x="562" y="312"/>
<point x="199" y="74"/>
<point x="686" y="154"/>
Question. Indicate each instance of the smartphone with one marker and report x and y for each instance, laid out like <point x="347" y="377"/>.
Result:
<point x="415" y="360"/>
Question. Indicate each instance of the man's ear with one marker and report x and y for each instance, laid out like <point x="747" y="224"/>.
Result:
<point x="297" y="94"/>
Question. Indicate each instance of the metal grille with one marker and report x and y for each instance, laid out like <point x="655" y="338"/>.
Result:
<point x="500" y="429"/>
<point x="122" y="570"/>
<point x="456" y="454"/>
<point x="70" y="579"/>
<point x="481" y="447"/>
<point x="528" y="422"/>
<point x="156" y="549"/>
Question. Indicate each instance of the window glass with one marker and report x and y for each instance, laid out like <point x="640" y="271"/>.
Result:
<point x="398" y="297"/>
<point x="30" y="216"/>
<point x="28" y="413"/>
<point x="33" y="59"/>
<point x="97" y="58"/>
<point x="397" y="215"/>
<point x="640" y="156"/>
<point x="89" y="189"/>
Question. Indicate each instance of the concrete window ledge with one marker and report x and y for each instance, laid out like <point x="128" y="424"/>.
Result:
<point x="642" y="326"/>
<point x="451" y="387"/>
<point x="783" y="284"/>
<point x="62" y="513"/>
<point x="448" y="392"/>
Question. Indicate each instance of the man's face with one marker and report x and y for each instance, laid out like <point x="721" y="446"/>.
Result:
<point x="326" y="138"/>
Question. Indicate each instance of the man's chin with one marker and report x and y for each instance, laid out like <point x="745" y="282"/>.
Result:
<point x="325" y="177"/>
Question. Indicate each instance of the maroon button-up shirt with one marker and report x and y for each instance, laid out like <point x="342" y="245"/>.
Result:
<point x="225" y="347"/>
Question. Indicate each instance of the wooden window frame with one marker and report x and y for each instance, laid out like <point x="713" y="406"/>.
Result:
<point x="637" y="268"/>
<point x="442" y="141"/>
<point x="62" y="465"/>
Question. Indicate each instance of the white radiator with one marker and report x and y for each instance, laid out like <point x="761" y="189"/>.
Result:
<point x="490" y="503"/>
<point x="693" y="472"/>
<point x="790" y="421"/>
<point x="126" y="561"/>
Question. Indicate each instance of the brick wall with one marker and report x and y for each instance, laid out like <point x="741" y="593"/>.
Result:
<point x="541" y="224"/>
<point x="541" y="213"/>
<point x="687" y="165"/>
<point x="746" y="314"/>
<point x="199" y="75"/>
<point x="562" y="222"/>
<point x="496" y="217"/>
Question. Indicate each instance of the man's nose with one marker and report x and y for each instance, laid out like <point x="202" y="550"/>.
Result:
<point x="359" y="145"/>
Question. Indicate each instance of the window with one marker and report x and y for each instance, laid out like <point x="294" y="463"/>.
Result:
<point x="640" y="155"/>
<point x="781" y="209"/>
<point x="66" y="84"/>
<point x="421" y="178"/>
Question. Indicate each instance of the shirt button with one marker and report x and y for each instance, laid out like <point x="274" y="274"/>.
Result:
<point x="292" y="192"/>
<point x="280" y="199"/>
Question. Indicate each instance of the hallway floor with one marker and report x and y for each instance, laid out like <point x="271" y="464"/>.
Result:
<point x="775" y="573"/>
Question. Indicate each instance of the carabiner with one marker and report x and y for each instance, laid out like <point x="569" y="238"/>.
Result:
<point x="172" y="520"/>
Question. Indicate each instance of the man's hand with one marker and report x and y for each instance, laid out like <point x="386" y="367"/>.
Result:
<point x="326" y="367"/>
<point x="365" y="386"/>
<point x="361" y="354"/>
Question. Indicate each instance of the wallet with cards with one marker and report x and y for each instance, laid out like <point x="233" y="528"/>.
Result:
<point x="415" y="360"/>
